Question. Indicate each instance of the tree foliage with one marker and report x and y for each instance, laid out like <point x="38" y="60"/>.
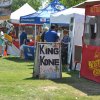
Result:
<point x="33" y="3"/>
<point x="37" y="3"/>
<point x="69" y="3"/>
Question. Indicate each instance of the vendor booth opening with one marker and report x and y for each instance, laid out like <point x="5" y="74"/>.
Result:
<point x="48" y="60"/>
<point x="91" y="44"/>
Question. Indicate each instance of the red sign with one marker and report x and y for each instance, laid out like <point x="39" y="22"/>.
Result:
<point x="90" y="67"/>
<point x="93" y="10"/>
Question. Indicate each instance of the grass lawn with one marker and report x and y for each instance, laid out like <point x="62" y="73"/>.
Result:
<point x="16" y="83"/>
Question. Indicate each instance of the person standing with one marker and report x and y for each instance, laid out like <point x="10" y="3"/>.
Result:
<point x="23" y="41"/>
<point x="51" y="35"/>
<point x="23" y="37"/>
<point x="2" y="43"/>
<point x="45" y="29"/>
<point x="64" y="48"/>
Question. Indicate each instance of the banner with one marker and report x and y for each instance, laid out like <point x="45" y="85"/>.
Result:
<point x="90" y="67"/>
<point x="93" y="10"/>
<point x="49" y="60"/>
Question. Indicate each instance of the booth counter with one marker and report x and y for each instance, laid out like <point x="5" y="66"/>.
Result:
<point x="90" y="67"/>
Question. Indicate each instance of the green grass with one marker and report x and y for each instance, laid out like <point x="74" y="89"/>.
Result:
<point x="16" y="83"/>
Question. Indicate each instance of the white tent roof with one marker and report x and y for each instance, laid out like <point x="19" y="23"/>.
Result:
<point x="24" y="10"/>
<point x="63" y="17"/>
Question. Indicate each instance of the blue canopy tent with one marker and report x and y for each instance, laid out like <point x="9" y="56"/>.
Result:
<point x="43" y="15"/>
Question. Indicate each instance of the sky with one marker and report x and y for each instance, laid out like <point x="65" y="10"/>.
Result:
<point x="44" y="3"/>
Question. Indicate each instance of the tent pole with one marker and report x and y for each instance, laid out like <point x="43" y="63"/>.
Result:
<point x="70" y="45"/>
<point x="19" y="32"/>
<point x="35" y="34"/>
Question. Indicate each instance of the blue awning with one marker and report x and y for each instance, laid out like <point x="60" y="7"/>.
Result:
<point x="43" y="15"/>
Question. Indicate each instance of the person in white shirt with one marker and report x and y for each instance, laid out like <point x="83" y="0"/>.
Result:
<point x="2" y="43"/>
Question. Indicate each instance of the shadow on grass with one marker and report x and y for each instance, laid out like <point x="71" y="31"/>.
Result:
<point x="30" y="65"/>
<point x="87" y="86"/>
<point x="17" y="59"/>
<point x="31" y="78"/>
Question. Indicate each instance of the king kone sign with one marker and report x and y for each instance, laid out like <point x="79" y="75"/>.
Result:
<point x="49" y="60"/>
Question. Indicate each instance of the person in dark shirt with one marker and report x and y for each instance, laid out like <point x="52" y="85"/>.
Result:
<point x="23" y="38"/>
<point x="64" y="48"/>
<point x="23" y="41"/>
<point x="51" y="35"/>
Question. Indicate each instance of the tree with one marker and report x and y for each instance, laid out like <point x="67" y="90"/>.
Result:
<point x="37" y="3"/>
<point x="33" y="3"/>
<point x="69" y="3"/>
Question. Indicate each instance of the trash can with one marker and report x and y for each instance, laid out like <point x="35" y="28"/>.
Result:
<point x="28" y="52"/>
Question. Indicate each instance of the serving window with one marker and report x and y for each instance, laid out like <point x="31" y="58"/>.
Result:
<point x="92" y="30"/>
